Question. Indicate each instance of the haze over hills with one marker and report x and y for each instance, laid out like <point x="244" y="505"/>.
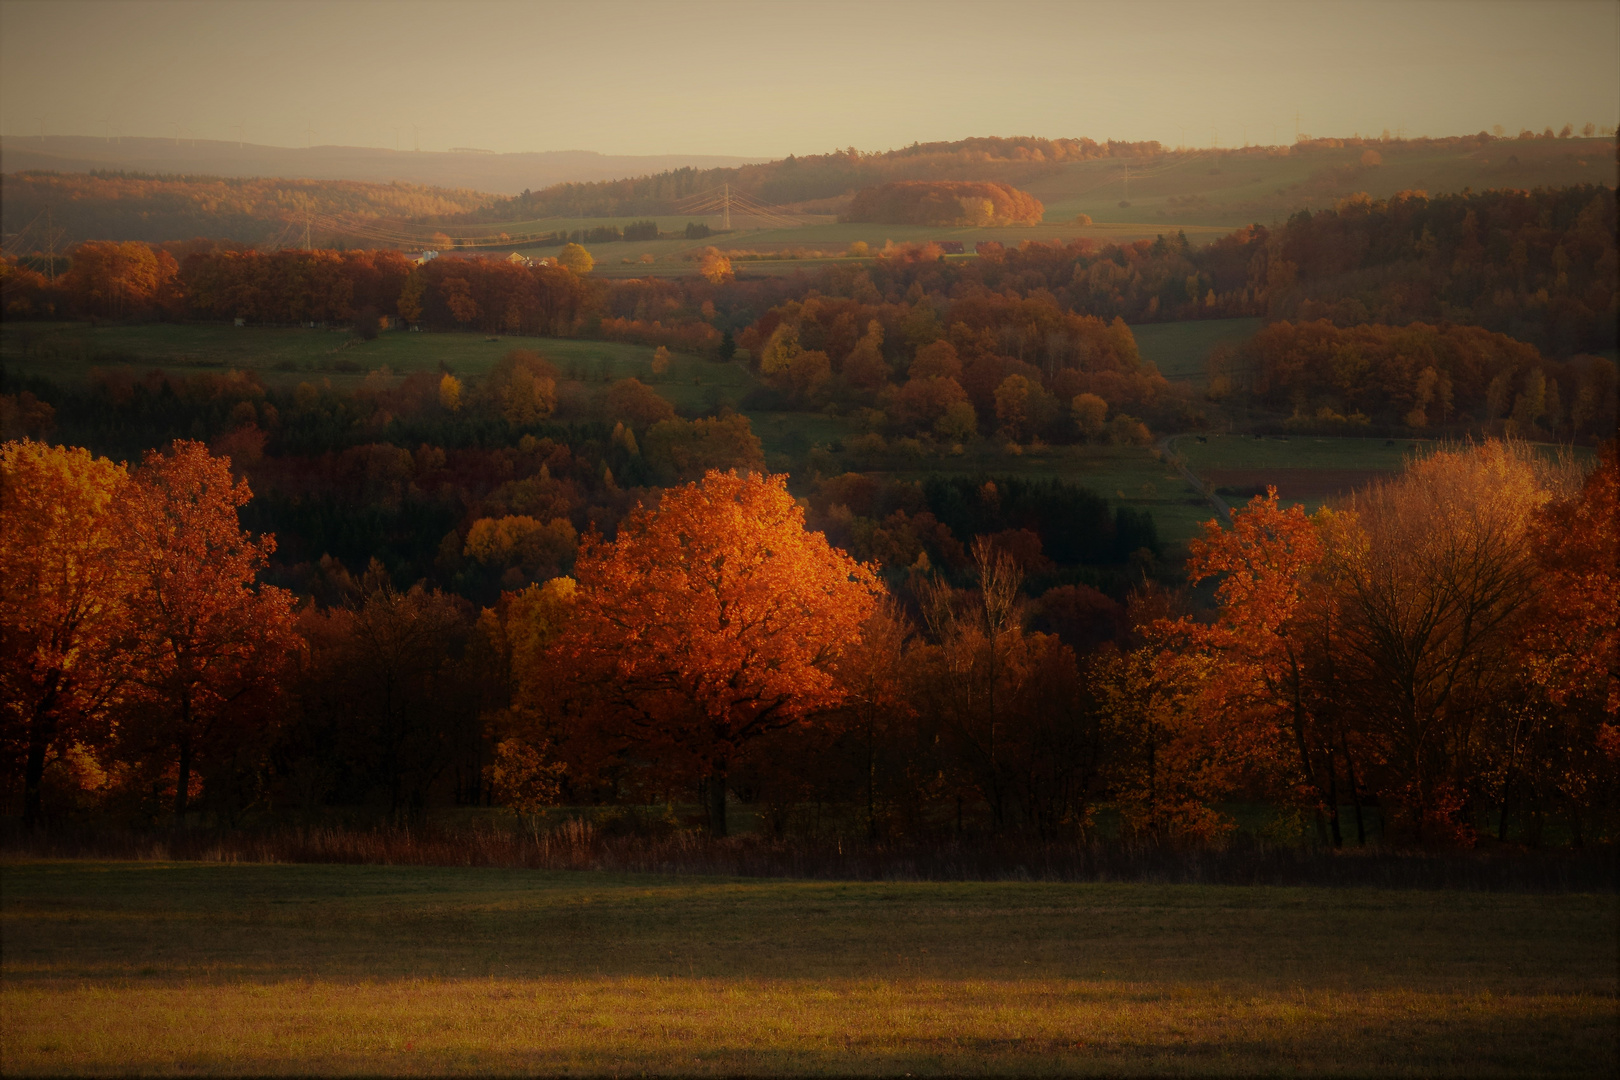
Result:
<point x="505" y="174"/>
<point x="1113" y="191"/>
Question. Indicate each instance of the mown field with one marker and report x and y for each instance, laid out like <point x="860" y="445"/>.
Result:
<point x="68" y="352"/>
<point x="677" y="256"/>
<point x="232" y="968"/>
<point x="1180" y="350"/>
<point x="1307" y="469"/>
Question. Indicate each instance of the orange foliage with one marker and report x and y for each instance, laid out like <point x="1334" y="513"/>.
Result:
<point x="711" y="619"/>
<point x="945" y="202"/>
<point x="62" y="621"/>
<point x="209" y="643"/>
<point x="1576" y="639"/>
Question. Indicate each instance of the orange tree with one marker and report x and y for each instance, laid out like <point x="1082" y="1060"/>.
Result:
<point x="62" y="616"/>
<point x="1272" y="615"/>
<point x="1572" y="653"/>
<point x="209" y="645"/>
<point x="713" y="618"/>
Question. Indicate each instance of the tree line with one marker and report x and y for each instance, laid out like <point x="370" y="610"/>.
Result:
<point x="944" y="202"/>
<point x="1430" y="662"/>
<point x="1459" y="287"/>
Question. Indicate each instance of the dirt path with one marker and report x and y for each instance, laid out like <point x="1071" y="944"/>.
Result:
<point x="1222" y="511"/>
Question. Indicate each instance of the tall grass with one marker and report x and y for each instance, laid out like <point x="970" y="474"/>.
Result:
<point x="577" y="844"/>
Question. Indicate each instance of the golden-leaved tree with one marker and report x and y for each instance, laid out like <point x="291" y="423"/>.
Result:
<point x="62" y="614"/>
<point x="712" y="618"/>
<point x="210" y="646"/>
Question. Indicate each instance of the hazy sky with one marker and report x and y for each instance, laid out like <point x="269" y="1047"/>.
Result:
<point x="769" y="79"/>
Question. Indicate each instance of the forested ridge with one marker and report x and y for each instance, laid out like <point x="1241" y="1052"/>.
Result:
<point x="159" y="209"/>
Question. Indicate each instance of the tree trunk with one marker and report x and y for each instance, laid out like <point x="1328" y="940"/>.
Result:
<point x="40" y="734"/>
<point x="182" y="786"/>
<point x="1333" y="801"/>
<point x="716" y="786"/>
<point x="1355" y="788"/>
<point x="871" y="777"/>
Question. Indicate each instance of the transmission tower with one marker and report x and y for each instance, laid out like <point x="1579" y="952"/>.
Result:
<point x="50" y="243"/>
<point x="725" y="214"/>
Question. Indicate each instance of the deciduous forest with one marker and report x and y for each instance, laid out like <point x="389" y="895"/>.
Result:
<point x="228" y="601"/>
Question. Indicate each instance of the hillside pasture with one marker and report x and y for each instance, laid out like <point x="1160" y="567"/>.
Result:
<point x="1306" y="469"/>
<point x="68" y="352"/>
<point x="1180" y="350"/>
<point x="257" y="969"/>
<point x="1236" y="186"/>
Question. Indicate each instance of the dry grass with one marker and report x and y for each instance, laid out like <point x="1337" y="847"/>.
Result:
<point x="753" y="1026"/>
<point x="196" y="968"/>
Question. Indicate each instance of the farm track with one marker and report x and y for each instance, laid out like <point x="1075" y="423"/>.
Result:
<point x="1222" y="510"/>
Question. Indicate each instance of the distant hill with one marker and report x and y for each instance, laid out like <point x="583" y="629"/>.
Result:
<point x="1141" y="188"/>
<point x="159" y="209"/>
<point x="506" y="174"/>
<point x="1108" y="181"/>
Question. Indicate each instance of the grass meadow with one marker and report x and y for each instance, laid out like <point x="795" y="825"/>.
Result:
<point x="1180" y="350"/>
<point x="1307" y="469"/>
<point x="284" y="357"/>
<point x="143" y="967"/>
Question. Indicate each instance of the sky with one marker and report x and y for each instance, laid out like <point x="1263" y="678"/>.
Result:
<point x="767" y="79"/>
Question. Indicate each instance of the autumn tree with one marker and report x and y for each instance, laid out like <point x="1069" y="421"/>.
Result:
<point x="210" y="645"/>
<point x="384" y="692"/>
<point x="875" y="703"/>
<point x="687" y="449"/>
<point x="716" y="267"/>
<point x="713" y="618"/>
<point x="523" y="387"/>
<point x="575" y="258"/>
<point x="1165" y="762"/>
<point x="1439" y="579"/>
<point x="1566" y="745"/>
<point x="63" y="620"/>
<point x="1272" y="614"/>
<point x="1003" y="701"/>
<point x="117" y="279"/>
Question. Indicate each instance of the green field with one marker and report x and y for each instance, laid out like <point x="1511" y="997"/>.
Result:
<point x="285" y="357"/>
<point x="676" y="256"/>
<point x="1307" y="469"/>
<point x="1180" y="350"/>
<point x="236" y="968"/>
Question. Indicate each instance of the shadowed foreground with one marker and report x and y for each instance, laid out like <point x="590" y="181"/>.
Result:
<point x="153" y="967"/>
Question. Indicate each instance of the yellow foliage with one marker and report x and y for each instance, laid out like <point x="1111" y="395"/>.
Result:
<point x="450" y="392"/>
